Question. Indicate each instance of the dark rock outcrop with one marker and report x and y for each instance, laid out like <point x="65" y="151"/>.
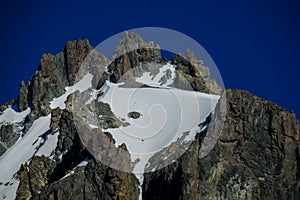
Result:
<point x="134" y="115"/>
<point x="55" y="72"/>
<point x="191" y="74"/>
<point x="34" y="177"/>
<point x="7" y="137"/>
<point x="49" y="82"/>
<point x="94" y="181"/>
<point x="132" y="57"/>
<point x="74" y="53"/>
<point x="23" y="99"/>
<point x="184" y="80"/>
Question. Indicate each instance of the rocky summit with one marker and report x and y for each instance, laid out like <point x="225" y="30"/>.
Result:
<point x="45" y="156"/>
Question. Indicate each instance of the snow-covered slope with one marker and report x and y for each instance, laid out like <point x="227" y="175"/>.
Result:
<point x="163" y="78"/>
<point x="10" y="116"/>
<point x="21" y="152"/>
<point x="165" y="114"/>
<point x="81" y="86"/>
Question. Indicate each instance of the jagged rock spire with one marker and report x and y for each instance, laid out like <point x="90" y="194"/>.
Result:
<point x="130" y="42"/>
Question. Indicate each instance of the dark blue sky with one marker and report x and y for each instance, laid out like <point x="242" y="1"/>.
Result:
<point x="255" y="44"/>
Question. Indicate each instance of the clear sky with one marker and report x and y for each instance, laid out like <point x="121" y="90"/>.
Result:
<point x="255" y="44"/>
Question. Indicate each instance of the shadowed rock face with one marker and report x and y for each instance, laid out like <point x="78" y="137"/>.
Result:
<point x="191" y="74"/>
<point x="132" y="56"/>
<point x="257" y="155"/>
<point x="75" y="52"/>
<point x="7" y="137"/>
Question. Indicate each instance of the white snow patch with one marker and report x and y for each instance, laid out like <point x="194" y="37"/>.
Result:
<point x="11" y="116"/>
<point x="68" y="174"/>
<point x="166" y="114"/>
<point x="93" y="126"/>
<point x="94" y="94"/>
<point x="61" y="155"/>
<point x="49" y="146"/>
<point x="140" y="177"/>
<point x="20" y="153"/>
<point x="163" y="111"/>
<point x="82" y="164"/>
<point x="82" y="85"/>
<point x="154" y="80"/>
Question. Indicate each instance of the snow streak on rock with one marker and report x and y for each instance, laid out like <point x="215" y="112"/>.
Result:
<point x="81" y="86"/>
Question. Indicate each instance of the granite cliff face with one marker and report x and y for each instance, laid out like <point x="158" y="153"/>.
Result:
<point x="257" y="155"/>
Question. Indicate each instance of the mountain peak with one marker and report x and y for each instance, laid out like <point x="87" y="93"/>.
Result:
<point x="131" y="41"/>
<point x="68" y="135"/>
